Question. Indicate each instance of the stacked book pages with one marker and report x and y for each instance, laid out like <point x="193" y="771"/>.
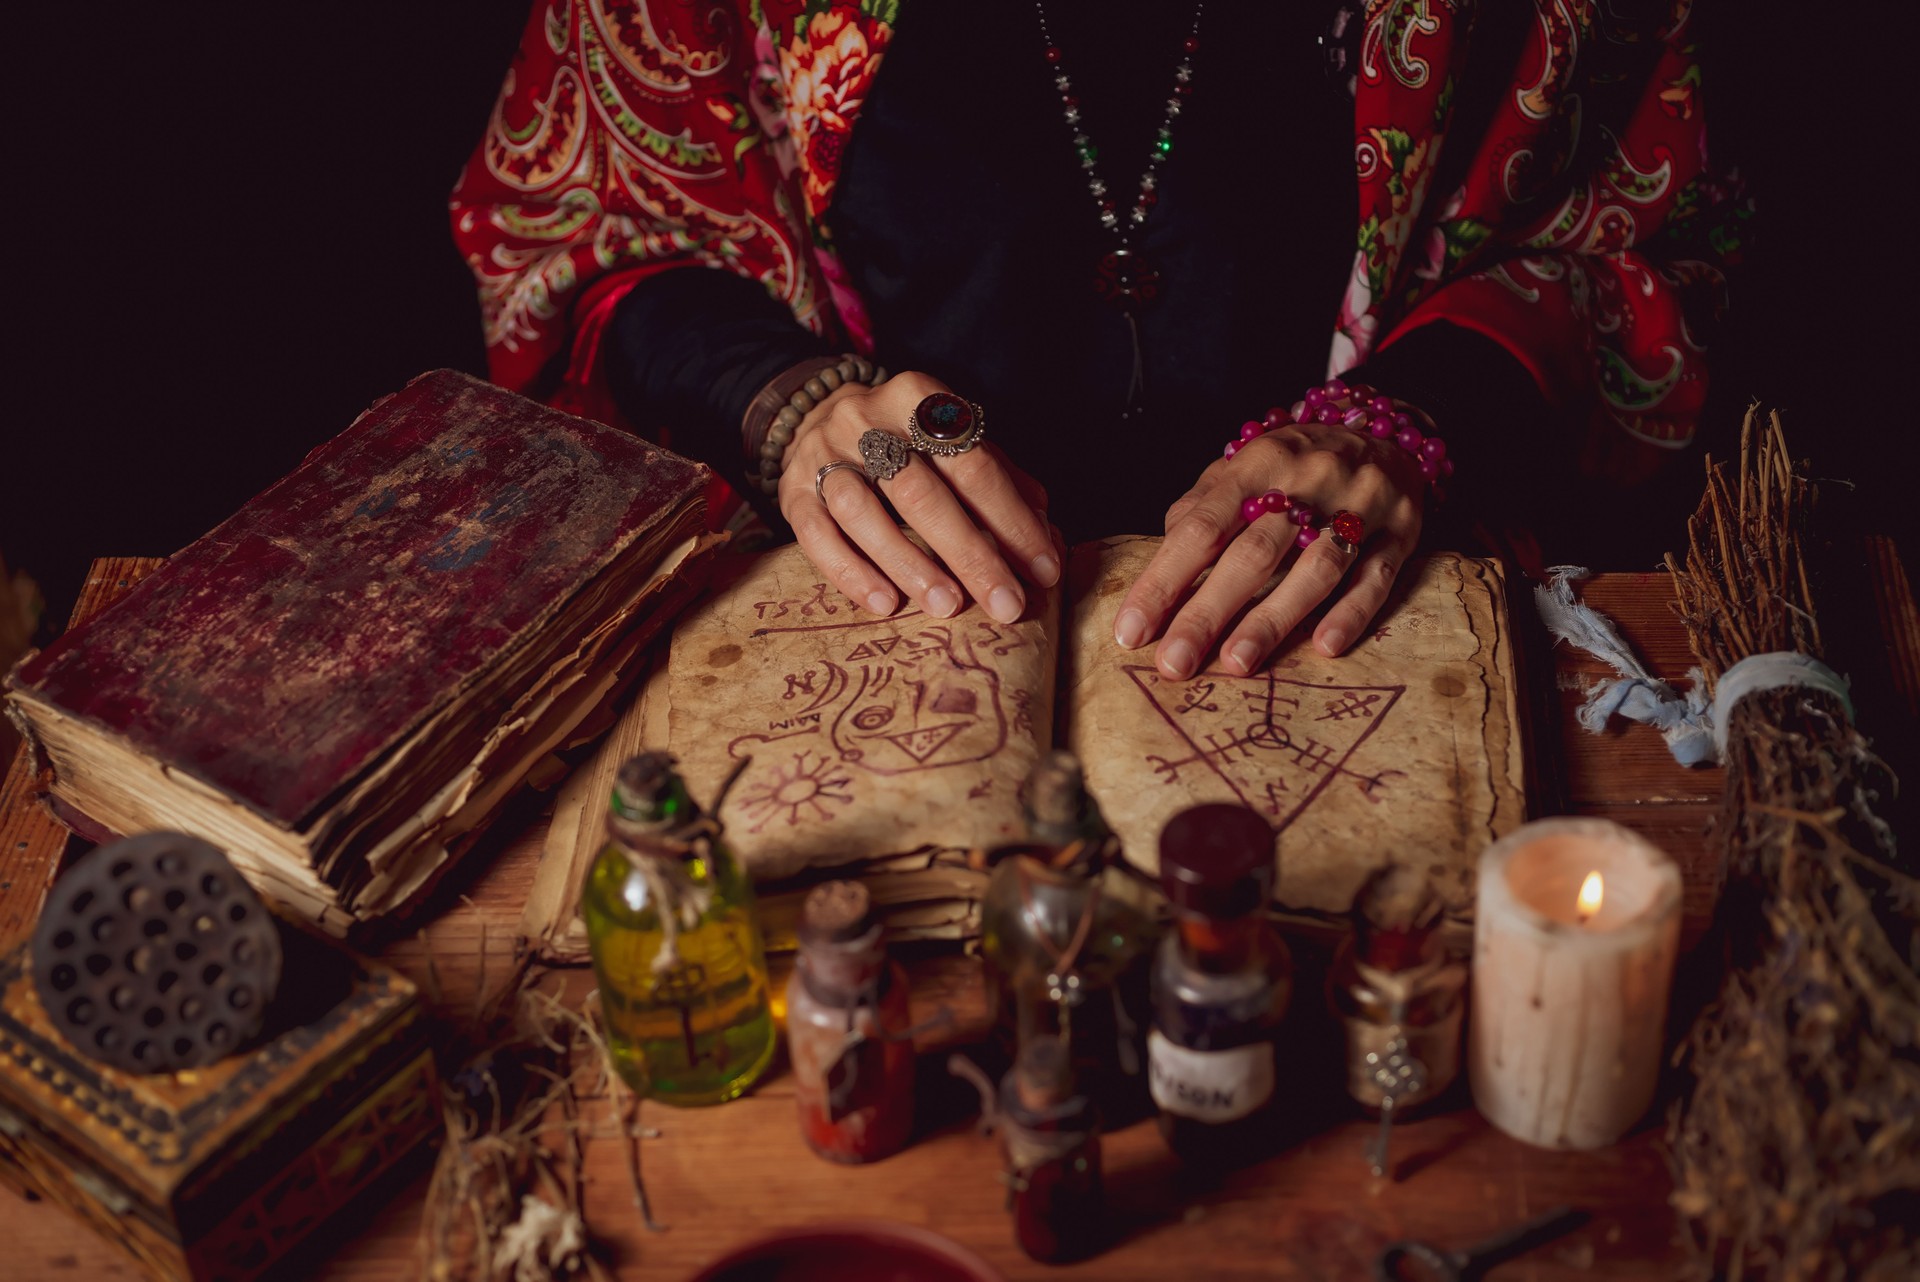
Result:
<point x="341" y="683"/>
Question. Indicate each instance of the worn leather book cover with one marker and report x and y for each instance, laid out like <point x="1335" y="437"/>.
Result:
<point x="889" y="748"/>
<point x="331" y="680"/>
<point x="219" y="1172"/>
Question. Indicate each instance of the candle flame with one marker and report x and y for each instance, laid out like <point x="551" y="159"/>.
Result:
<point x="1591" y="892"/>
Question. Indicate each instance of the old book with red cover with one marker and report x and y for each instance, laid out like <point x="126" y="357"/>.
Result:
<point x="344" y="679"/>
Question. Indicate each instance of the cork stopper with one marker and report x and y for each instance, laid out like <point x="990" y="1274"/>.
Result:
<point x="641" y="784"/>
<point x="836" y="912"/>
<point x="1398" y="898"/>
<point x="1056" y="795"/>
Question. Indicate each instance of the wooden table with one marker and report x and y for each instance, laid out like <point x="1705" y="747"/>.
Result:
<point x="720" y="1176"/>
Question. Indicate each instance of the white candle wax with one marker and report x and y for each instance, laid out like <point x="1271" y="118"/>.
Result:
<point x="1569" y="1013"/>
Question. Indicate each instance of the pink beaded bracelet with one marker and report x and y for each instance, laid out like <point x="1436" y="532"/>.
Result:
<point x="1363" y="409"/>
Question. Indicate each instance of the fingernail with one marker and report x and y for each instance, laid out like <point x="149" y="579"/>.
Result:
<point x="1245" y="655"/>
<point x="881" y="603"/>
<point x="1332" y="642"/>
<point x="1177" y="659"/>
<point x="1004" y="604"/>
<point x="1046" y="570"/>
<point x="1130" y="629"/>
<point x="943" y="601"/>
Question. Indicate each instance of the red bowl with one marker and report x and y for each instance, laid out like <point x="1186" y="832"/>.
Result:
<point x="850" y="1251"/>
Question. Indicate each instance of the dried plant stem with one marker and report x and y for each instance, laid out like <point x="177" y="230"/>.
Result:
<point x="1797" y="1158"/>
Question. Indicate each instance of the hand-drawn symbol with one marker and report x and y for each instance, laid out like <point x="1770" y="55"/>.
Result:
<point x="913" y="695"/>
<point x="800" y="792"/>
<point x="1256" y="753"/>
<point x="1199" y="695"/>
<point x="1349" y="704"/>
<point x="873" y="648"/>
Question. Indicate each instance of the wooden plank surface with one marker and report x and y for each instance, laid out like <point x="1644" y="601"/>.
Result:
<point x="720" y="1176"/>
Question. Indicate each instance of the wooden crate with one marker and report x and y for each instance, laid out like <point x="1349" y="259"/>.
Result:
<point x="216" y="1173"/>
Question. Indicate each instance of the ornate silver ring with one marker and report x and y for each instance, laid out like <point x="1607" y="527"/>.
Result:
<point x="946" y="424"/>
<point x="883" y="454"/>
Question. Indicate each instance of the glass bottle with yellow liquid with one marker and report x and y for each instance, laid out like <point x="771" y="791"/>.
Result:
<point x="670" y="921"/>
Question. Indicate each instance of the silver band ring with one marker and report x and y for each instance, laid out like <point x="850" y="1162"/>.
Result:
<point x="820" y="477"/>
<point x="946" y="424"/>
<point x="883" y="454"/>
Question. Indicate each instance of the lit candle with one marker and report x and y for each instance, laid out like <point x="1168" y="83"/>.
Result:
<point x="1575" y="934"/>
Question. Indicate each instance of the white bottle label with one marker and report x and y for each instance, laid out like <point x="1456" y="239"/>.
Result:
<point x="1209" y="1086"/>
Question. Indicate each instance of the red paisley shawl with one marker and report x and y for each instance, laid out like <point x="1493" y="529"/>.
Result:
<point x="1585" y="231"/>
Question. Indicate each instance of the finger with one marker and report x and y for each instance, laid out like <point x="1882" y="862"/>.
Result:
<point x="1315" y="574"/>
<point x="1190" y="546"/>
<point x="1184" y="504"/>
<point x="981" y="482"/>
<point x="836" y="559"/>
<point x="1368" y="584"/>
<point x="1242" y="571"/>
<point x="863" y="518"/>
<point x="1032" y="493"/>
<point x="922" y="498"/>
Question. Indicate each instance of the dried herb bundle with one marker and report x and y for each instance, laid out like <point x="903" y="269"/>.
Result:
<point x="1798" y="1154"/>
<point x="507" y="1197"/>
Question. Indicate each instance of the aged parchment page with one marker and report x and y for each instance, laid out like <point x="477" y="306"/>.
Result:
<point x="869" y="736"/>
<point x="1406" y="747"/>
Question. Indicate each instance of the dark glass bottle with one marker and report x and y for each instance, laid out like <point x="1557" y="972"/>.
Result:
<point x="1221" y="984"/>
<point x="847" y="1030"/>
<point x="1068" y="936"/>
<point x="676" y="949"/>
<point x="1399" y="996"/>
<point x="1051" y="1139"/>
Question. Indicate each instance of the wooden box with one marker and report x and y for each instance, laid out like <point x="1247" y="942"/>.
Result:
<point x="216" y="1173"/>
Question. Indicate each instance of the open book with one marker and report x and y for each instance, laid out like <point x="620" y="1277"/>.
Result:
<point x="889" y="748"/>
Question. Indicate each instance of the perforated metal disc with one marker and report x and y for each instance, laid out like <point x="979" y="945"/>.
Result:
<point x="153" y="955"/>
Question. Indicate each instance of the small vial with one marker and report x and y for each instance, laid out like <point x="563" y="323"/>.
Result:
<point x="676" y="949"/>
<point x="1221" y="984"/>
<point x="1051" y="1140"/>
<point x="1400" y="997"/>
<point x="847" y="1030"/>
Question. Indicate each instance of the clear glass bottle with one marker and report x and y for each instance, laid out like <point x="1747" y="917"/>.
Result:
<point x="1068" y="936"/>
<point x="847" y="1030"/>
<point x="1221" y="985"/>
<point x="1051" y="1141"/>
<point x="670" y="922"/>
<point x="1400" y="997"/>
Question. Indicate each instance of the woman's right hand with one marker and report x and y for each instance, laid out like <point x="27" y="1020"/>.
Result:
<point x="977" y="512"/>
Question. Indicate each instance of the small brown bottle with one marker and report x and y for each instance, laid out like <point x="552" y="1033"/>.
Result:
<point x="1400" y="997"/>
<point x="1051" y="1139"/>
<point x="1221" y="984"/>
<point x="847" y="1030"/>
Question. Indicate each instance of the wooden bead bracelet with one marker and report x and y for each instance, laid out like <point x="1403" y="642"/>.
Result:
<point x="770" y="422"/>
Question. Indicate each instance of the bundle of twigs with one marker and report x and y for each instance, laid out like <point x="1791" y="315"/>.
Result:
<point x="1798" y="1154"/>
<point x="507" y="1197"/>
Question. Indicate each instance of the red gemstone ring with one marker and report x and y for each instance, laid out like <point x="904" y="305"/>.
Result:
<point x="946" y="424"/>
<point x="1347" y="530"/>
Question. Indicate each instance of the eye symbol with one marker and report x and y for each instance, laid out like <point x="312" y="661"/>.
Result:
<point x="872" y="718"/>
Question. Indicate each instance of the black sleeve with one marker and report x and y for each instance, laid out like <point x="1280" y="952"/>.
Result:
<point x="689" y="349"/>
<point x="1502" y="435"/>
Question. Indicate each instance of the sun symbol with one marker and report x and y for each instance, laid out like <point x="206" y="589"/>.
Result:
<point x="797" y="791"/>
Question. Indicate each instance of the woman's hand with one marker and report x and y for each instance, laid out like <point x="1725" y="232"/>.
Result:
<point x="976" y="511"/>
<point x="1323" y="467"/>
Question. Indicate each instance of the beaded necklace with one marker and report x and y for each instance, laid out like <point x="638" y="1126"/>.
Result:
<point x="1124" y="277"/>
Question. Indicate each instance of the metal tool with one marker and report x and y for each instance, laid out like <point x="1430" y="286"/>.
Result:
<point x="1464" y="1266"/>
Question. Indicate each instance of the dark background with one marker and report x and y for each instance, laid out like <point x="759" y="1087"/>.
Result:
<point x="228" y="236"/>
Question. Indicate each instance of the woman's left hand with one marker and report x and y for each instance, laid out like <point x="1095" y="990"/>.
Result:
<point x="1324" y="467"/>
